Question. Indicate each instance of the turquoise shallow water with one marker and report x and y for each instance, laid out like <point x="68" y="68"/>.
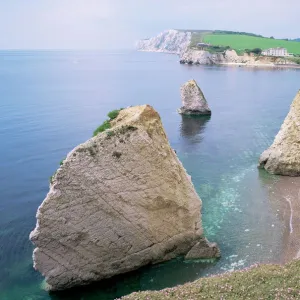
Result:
<point x="52" y="101"/>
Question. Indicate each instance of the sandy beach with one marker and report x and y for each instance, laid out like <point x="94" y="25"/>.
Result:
<point x="284" y="197"/>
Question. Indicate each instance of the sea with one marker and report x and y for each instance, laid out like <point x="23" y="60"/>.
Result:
<point x="52" y="101"/>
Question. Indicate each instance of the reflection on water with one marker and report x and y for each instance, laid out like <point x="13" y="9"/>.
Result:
<point x="192" y="127"/>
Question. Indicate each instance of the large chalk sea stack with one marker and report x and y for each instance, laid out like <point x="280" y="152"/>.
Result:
<point x="283" y="157"/>
<point x="119" y="201"/>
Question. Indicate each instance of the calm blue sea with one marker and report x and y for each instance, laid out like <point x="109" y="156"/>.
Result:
<point x="52" y="101"/>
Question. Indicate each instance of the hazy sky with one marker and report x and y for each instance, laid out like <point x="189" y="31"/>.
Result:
<point x="97" y="24"/>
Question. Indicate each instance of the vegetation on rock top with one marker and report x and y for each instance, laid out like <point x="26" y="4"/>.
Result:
<point x="106" y="124"/>
<point x="114" y="114"/>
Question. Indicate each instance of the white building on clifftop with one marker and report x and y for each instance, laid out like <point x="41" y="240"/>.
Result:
<point x="276" y="52"/>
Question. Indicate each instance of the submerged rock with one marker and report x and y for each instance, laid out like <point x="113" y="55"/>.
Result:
<point x="193" y="100"/>
<point x="120" y="201"/>
<point x="283" y="157"/>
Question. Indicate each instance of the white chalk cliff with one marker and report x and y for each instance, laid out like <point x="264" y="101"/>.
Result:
<point x="178" y="42"/>
<point x="170" y="41"/>
<point x="120" y="201"/>
<point x="193" y="100"/>
<point x="283" y="157"/>
<point x="201" y="57"/>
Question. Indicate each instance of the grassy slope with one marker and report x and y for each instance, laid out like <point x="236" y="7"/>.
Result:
<point x="260" y="282"/>
<point x="242" y="42"/>
<point x="198" y="37"/>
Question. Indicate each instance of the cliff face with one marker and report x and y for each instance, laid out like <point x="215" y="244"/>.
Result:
<point x="283" y="157"/>
<point x="120" y="201"/>
<point x="201" y="57"/>
<point x="170" y="41"/>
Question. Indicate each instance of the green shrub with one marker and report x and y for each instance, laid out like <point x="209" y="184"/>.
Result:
<point x="114" y="113"/>
<point x="256" y="51"/>
<point x="106" y="124"/>
<point x="217" y="49"/>
<point x="110" y="133"/>
<point x="51" y="178"/>
<point x="295" y="59"/>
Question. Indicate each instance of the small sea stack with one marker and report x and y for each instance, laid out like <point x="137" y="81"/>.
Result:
<point x="283" y="157"/>
<point x="193" y="100"/>
<point x="119" y="201"/>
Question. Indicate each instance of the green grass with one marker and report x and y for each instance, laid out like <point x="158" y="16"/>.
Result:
<point x="260" y="282"/>
<point x="198" y="37"/>
<point x="51" y="179"/>
<point x="106" y="124"/>
<point x="114" y="113"/>
<point x="241" y="42"/>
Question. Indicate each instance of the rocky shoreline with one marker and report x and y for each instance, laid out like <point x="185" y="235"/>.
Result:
<point x="177" y="42"/>
<point x="230" y="57"/>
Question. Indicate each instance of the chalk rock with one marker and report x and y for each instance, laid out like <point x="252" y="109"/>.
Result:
<point x="201" y="250"/>
<point x="200" y="57"/>
<point x="283" y="157"/>
<point x="193" y="100"/>
<point x="120" y="201"/>
<point x="169" y="41"/>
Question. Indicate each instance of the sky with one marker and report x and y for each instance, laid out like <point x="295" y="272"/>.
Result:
<point x="116" y="24"/>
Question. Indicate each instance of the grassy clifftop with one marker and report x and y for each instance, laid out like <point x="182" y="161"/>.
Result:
<point x="242" y="41"/>
<point x="259" y="282"/>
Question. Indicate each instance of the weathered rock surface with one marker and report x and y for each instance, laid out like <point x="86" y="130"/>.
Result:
<point x="193" y="100"/>
<point x="121" y="200"/>
<point x="283" y="157"/>
<point x="201" y="57"/>
<point x="170" y="41"/>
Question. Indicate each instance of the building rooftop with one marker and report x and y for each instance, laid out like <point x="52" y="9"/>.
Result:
<point x="202" y="44"/>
